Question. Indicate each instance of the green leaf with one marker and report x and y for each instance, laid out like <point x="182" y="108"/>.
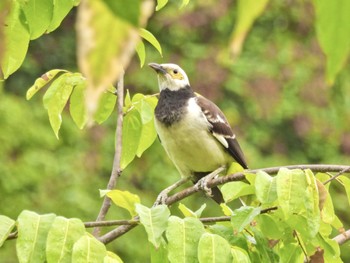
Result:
<point x="291" y="253"/>
<point x="42" y="82"/>
<point x="126" y="10"/>
<point x="183" y="236"/>
<point x="247" y="12"/>
<point x="61" y="238"/>
<point x="141" y="52"/>
<point x="266" y="254"/>
<point x="38" y="14"/>
<point x="214" y="249"/>
<point x="77" y="105"/>
<point x="125" y="199"/>
<point x="112" y="258"/>
<point x="233" y="190"/>
<point x="105" y="106"/>
<point x="189" y="213"/>
<point x="160" y="254"/>
<point x="16" y="41"/>
<point x="32" y="234"/>
<point x="154" y="220"/>
<point x="269" y="226"/>
<point x="148" y="136"/>
<point x="60" y="9"/>
<point x="88" y="250"/>
<point x="243" y="216"/>
<point x="333" y="33"/>
<point x="161" y="4"/>
<point x="184" y="3"/>
<point x="56" y="98"/>
<point x="291" y="189"/>
<point x="226" y="209"/>
<point x="132" y="128"/>
<point x="239" y="255"/>
<point x="346" y="183"/>
<point x="265" y="188"/>
<point x="151" y="39"/>
<point x="6" y="226"/>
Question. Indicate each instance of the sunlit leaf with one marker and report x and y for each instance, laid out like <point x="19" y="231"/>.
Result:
<point x="38" y="14"/>
<point x="88" y="249"/>
<point x="60" y="9"/>
<point x="77" y="105"/>
<point x="132" y="128"/>
<point x="226" y="209"/>
<point x="269" y="226"/>
<point x="183" y="236"/>
<point x="151" y="39"/>
<point x="161" y="4"/>
<point x="291" y="253"/>
<point x="155" y="221"/>
<point x="239" y="255"/>
<point x="125" y="199"/>
<point x="333" y="33"/>
<point x="105" y="106"/>
<point x="243" y="216"/>
<point x="112" y="258"/>
<point x="148" y="136"/>
<point x="6" y="226"/>
<point x="233" y="190"/>
<point x="160" y="254"/>
<point x="61" y="238"/>
<point x="141" y="52"/>
<point x="16" y="41"/>
<point x="32" y="234"/>
<point x="247" y="12"/>
<point x="346" y="183"/>
<point x="265" y="188"/>
<point x="189" y="213"/>
<point x="214" y="249"/>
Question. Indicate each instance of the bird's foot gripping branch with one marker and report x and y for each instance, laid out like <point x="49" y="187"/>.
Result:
<point x="290" y="215"/>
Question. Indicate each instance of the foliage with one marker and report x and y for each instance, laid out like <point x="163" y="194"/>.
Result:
<point x="305" y="220"/>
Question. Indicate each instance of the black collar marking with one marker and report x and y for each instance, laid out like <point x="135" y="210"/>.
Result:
<point x="172" y="105"/>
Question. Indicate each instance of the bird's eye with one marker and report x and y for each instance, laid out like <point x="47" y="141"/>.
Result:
<point x="175" y="71"/>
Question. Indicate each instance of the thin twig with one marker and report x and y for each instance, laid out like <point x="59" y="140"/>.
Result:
<point x="343" y="237"/>
<point x="116" y="170"/>
<point x="337" y="175"/>
<point x="115" y="233"/>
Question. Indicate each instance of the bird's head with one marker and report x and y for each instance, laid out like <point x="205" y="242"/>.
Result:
<point x="170" y="76"/>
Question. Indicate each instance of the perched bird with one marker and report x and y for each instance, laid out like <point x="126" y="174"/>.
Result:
<point x="193" y="130"/>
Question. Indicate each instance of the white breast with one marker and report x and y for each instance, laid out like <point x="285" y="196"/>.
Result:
<point x="190" y="145"/>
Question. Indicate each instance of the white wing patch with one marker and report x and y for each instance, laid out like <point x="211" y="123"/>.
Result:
<point x="221" y="139"/>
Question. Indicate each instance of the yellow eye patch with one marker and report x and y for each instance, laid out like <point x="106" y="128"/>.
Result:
<point x="175" y="74"/>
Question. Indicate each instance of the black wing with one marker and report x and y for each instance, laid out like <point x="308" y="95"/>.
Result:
<point x="221" y="129"/>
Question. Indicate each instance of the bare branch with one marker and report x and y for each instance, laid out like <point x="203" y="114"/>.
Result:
<point x="115" y="233"/>
<point x="343" y="237"/>
<point x="338" y="174"/>
<point x="116" y="170"/>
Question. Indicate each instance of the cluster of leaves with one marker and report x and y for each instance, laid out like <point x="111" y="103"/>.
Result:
<point x="51" y="238"/>
<point x="298" y="225"/>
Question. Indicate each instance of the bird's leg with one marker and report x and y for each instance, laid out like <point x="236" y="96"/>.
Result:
<point x="202" y="183"/>
<point x="161" y="198"/>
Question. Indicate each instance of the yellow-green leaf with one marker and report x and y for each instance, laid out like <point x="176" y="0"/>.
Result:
<point x="141" y="52"/>
<point x="151" y="39"/>
<point x="161" y="4"/>
<point x="6" y="226"/>
<point x="125" y="199"/>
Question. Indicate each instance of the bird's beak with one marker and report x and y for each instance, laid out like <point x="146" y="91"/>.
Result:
<point x="158" y="68"/>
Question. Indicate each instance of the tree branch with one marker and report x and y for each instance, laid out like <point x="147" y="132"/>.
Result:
<point x="115" y="233"/>
<point x="116" y="170"/>
<point x="343" y="237"/>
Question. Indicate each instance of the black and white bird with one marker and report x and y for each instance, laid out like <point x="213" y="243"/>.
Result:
<point x="193" y="130"/>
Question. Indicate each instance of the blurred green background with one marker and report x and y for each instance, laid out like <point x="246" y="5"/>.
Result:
<point x="274" y="94"/>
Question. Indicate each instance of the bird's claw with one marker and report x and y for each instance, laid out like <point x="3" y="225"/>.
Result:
<point x="202" y="184"/>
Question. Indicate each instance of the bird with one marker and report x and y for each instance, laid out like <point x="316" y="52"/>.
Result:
<point x="193" y="130"/>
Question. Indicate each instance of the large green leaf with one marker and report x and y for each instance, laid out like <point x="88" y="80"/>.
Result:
<point x="60" y="9"/>
<point x="16" y="40"/>
<point x="346" y="183"/>
<point x="183" y="236"/>
<point x="233" y="190"/>
<point x="239" y="255"/>
<point x="125" y="199"/>
<point x="151" y="39"/>
<point x="141" y="52"/>
<point x="105" y="106"/>
<point x="243" y="216"/>
<point x="265" y="188"/>
<point x="6" y="226"/>
<point x="291" y="253"/>
<point x="154" y="220"/>
<point x="214" y="249"/>
<point x="61" y="238"/>
<point x="333" y="33"/>
<point x="159" y="255"/>
<point x="32" y="234"/>
<point x="132" y="129"/>
<point x="77" y="105"/>
<point x="269" y="226"/>
<point x="88" y="250"/>
<point x="112" y="258"/>
<point x="38" y="14"/>
<point x="291" y="190"/>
